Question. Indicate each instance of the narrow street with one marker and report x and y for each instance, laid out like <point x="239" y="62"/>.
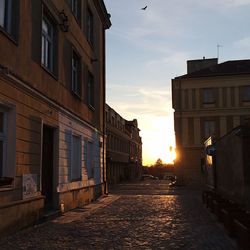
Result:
<point x="142" y="215"/>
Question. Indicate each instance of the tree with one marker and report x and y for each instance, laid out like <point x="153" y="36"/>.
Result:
<point x="158" y="163"/>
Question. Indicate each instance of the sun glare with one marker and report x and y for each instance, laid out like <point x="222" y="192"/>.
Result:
<point x="158" y="141"/>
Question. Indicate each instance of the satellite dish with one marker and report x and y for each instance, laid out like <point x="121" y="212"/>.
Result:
<point x="210" y="150"/>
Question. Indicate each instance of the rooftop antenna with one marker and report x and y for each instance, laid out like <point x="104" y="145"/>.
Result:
<point x="218" y="50"/>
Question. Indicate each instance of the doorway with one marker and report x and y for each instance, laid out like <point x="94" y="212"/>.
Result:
<point x="48" y="166"/>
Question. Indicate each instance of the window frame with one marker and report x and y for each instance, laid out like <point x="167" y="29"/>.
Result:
<point x="8" y="136"/>
<point x="4" y="140"/>
<point x="49" y="62"/>
<point x="76" y="74"/>
<point x="245" y="93"/>
<point x="208" y="95"/>
<point x="207" y="130"/>
<point x="7" y="16"/>
<point x="90" y="26"/>
<point x="91" y="90"/>
<point x="76" y="9"/>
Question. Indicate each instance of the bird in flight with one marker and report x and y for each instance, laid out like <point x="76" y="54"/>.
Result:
<point x="144" y="8"/>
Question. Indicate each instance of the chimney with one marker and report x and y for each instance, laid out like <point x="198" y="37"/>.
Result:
<point x="196" y="65"/>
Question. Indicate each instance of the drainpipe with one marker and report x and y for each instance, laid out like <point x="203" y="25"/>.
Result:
<point x="104" y="115"/>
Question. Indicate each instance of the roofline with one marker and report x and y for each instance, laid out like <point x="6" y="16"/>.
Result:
<point x="105" y="16"/>
<point x="211" y="75"/>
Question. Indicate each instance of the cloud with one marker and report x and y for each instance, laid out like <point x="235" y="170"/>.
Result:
<point x="243" y="43"/>
<point x="137" y="101"/>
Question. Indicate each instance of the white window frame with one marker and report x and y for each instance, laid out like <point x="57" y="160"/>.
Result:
<point x="47" y="53"/>
<point x="76" y="160"/>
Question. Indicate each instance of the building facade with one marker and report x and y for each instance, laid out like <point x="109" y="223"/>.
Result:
<point x="52" y="106"/>
<point x="124" y="148"/>
<point x="210" y="100"/>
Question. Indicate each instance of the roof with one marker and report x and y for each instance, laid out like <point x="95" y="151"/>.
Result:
<point x="236" y="67"/>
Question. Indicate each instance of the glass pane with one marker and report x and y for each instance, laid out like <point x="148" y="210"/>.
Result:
<point x="1" y="122"/>
<point x="1" y="158"/>
<point x="2" y="11"/>
<point x="45" y="27"/>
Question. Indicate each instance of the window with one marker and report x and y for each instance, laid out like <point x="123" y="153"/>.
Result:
<point x="245" y="93"/>
<point x="89" y="160"/>
<point x="3" y="141"/>
<point x="75" y="8"/>
<point x="90" y="26"/>
<point x="209" y="128"/>
<point x="7" y="145"/>
<point x="208" y="96"/>
<point x="48" y="43"/>
<point x="76" y="74"/>
<point x="6" y="14"/>
<point x="90" y="90"/>
<point x="76" y="158"/>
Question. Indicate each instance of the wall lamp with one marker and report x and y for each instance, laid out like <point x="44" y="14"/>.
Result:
<point x="64" y="21"/>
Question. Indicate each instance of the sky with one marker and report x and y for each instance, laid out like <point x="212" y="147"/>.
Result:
<point x="146" y="49"/>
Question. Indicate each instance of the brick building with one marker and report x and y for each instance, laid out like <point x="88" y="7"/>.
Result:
<point x="124" y="148"/>
<point x="52" y="104"/>
<point x="209" y="100"/>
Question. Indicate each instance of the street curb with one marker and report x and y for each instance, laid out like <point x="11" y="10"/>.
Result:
<point x="81" y="213"/>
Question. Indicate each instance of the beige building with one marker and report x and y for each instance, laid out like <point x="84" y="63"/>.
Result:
<point x="209" y="100"/>
<point x="52" y="107"/>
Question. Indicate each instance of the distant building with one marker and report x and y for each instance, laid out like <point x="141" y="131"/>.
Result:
<point x="124" y="148"/>
<point x="210" y="99"/>
<point x="52" y="104"/>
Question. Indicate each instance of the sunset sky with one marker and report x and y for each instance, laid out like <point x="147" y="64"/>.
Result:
<point x="146" y="49"/>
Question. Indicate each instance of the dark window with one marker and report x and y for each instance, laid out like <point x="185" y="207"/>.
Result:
<point x="9" y="16"/>
<point x="6" y="14"/>
<point x="3" y="141"/>
<point x="7" y="145"/>
<point x="245" y="93"/>
<point x="75" y="8"/>
<point x="90" y="90"/>
<point x="208" y="96"/>
<point x="209" y="128"/>
<point x="90" y="26"/>
<point x="193" y="99"/>
<point x="48" y="43"/>
<point x="232" y="90"/>
<point x="76" y="74"/>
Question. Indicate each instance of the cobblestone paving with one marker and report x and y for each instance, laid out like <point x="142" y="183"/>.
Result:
<point x="136" y="216"/>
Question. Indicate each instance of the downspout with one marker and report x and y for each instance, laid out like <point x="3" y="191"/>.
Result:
<point x="104" y="115"/>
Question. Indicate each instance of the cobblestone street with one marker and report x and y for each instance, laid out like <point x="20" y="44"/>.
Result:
<point x="143" y="215"/>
